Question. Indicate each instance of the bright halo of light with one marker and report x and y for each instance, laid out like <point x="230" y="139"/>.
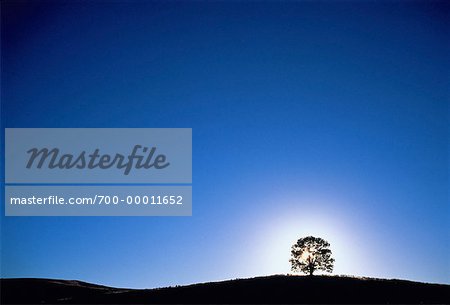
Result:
<point x="305" y="255"/>
<point x="307" y="217"/>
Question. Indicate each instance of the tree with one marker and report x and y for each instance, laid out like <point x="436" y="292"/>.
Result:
<point x="311" y="253"/>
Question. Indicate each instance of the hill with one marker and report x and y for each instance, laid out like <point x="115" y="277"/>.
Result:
<point x="264" y="290"/>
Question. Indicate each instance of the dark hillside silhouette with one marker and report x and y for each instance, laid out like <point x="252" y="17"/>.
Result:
<point x="265" y="290"/>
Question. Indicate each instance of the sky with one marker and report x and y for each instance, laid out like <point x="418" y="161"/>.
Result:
<point x="309" y="118"/>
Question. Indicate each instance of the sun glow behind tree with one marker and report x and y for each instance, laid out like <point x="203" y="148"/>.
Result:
<point x="274" y="233"/>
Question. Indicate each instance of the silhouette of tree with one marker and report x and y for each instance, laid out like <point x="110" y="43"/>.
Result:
<point x="311" y="253"/>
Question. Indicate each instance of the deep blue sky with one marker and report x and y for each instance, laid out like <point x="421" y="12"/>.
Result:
<point x="308" y="118"/>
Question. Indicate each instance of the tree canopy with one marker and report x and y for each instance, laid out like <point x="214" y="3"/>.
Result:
<point x="311" y="253"/>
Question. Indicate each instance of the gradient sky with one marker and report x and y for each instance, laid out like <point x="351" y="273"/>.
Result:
<point x="323" y="118"/>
